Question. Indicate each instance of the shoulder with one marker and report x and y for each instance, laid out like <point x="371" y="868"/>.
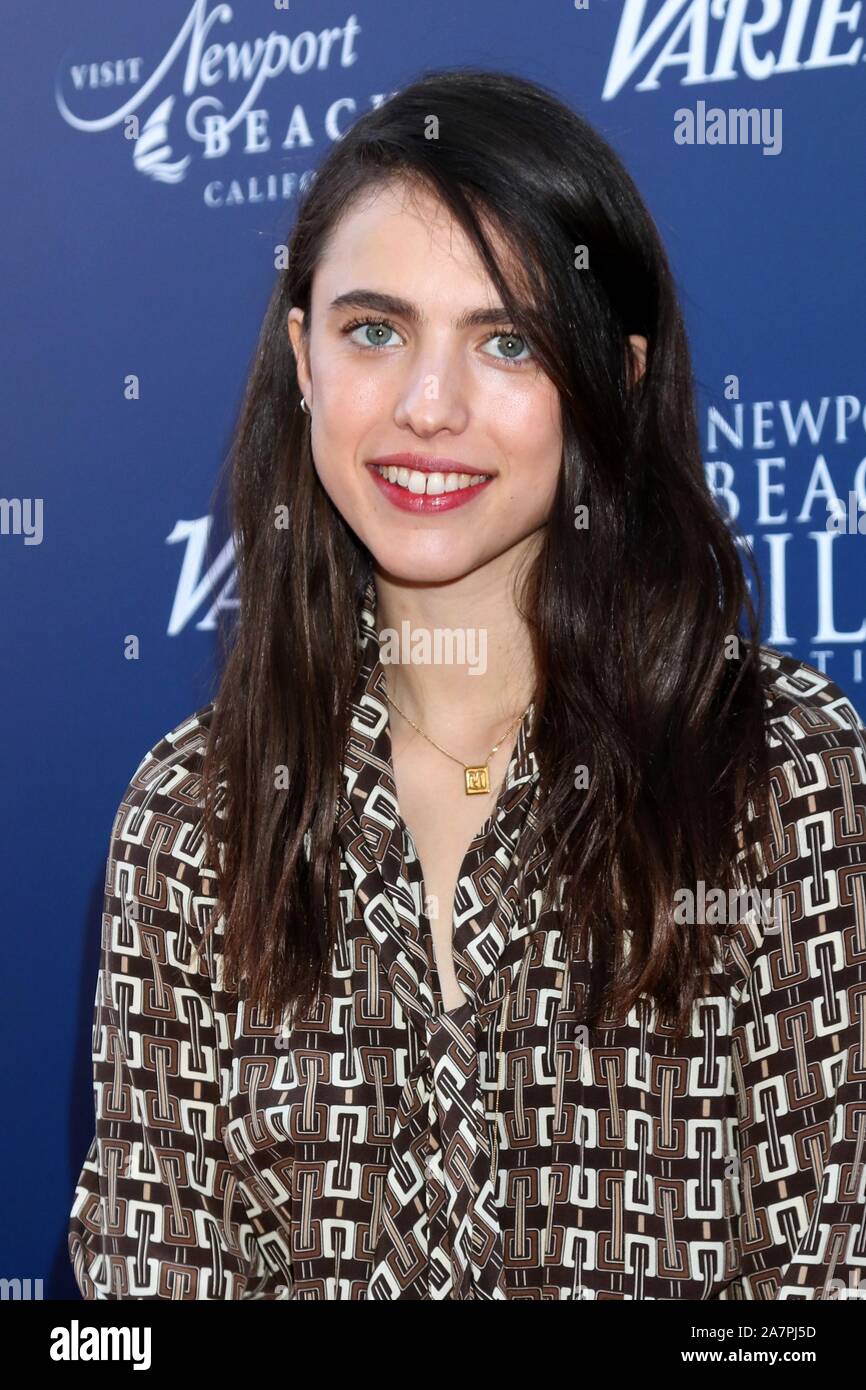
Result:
<point x="816" y="738"/>
<point x="817" y="745"/>
<point x="158" y="856"/>
<point x="170" y="769"/>
<point x="804" y="704"/>
<point x="813" y="843"/>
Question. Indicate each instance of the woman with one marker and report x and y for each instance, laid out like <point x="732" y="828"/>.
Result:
<point x="421" y="973"/>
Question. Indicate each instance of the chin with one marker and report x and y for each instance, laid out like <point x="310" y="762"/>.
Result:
<point x="415" y="564"/>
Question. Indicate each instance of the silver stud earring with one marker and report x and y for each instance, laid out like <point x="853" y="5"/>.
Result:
<point x="304" y="407"/>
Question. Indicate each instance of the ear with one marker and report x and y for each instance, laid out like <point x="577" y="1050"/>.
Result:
<point x="300" y="347"/>
<point x="638" y="356"/>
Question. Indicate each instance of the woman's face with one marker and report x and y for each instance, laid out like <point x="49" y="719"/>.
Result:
<point x="427" y="379"/>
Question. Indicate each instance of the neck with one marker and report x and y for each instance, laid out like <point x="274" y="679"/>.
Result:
<point x="458" y="657"/>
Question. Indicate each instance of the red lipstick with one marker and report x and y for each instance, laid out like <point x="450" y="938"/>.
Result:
<point x="426" y="504"/>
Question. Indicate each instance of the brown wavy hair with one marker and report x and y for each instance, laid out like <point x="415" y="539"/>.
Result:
<point x="631" y="619"/>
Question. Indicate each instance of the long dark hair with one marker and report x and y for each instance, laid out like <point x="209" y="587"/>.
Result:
<point x="646" y="638"/>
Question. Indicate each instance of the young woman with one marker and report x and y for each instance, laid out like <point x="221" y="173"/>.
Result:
<point x="499" y="930"/>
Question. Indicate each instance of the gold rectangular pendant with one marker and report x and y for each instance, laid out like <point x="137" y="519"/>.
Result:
<point x="477" y="780"/>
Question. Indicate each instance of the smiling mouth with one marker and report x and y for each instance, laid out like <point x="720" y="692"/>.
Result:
<point x="430" y="484"/>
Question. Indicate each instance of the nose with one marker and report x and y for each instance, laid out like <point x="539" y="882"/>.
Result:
<point x="433" y="397"/>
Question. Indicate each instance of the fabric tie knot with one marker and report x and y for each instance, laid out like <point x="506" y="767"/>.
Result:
<point x="440" y="1235"/>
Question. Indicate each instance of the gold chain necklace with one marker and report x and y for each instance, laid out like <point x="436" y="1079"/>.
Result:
<point x="477" y="779"/>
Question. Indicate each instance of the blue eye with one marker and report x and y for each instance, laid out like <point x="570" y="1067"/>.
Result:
<point x="507" y="335"/>
<point x="378" y="331"/>
<point x="379" y="327"/>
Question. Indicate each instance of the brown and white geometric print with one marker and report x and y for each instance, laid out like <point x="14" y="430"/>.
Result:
<point x="380" y="1148"/>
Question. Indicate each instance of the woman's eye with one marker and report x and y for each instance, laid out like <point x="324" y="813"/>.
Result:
<point x="513" y="344"/>
<point x="375" y="332"/>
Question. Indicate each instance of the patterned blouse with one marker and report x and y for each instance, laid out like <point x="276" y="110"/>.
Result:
<point x="382" y="1148"/>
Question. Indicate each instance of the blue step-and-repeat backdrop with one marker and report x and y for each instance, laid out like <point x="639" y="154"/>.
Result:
<point x="136" y="268"/>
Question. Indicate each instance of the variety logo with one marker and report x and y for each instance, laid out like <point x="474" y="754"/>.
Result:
<point x="716" y="40"/>
<point x="209" y="93"/>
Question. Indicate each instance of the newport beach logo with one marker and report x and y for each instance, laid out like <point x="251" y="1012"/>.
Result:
<point x="153" y="120"/>
<point x="748" y="40"/>
<point x="792" y="474"/>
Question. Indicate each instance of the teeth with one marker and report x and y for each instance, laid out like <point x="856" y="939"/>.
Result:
<point x="431" y="484"/>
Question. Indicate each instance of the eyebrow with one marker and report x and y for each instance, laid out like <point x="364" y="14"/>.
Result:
<point x="404" y="308"/>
